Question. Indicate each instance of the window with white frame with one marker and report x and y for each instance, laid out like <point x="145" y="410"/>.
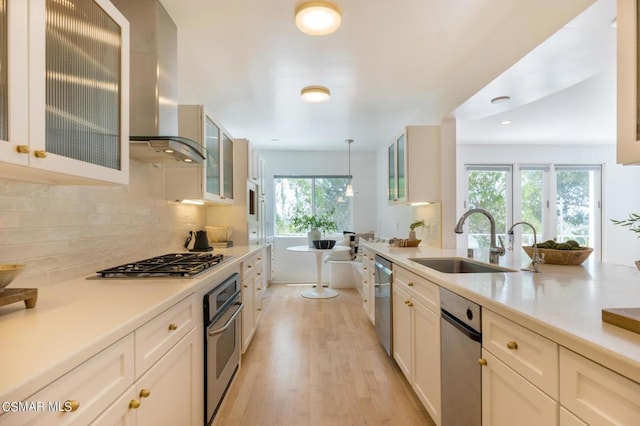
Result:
<point x="562" y="202"/>
<point x="316" y="195"/>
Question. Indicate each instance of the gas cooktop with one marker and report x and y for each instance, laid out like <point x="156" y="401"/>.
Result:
<point x="168" y="265"/>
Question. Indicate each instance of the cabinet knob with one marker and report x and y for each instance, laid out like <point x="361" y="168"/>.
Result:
<point x="144" y="393"/>
<point x="173" y="327"/>
<point x="482" y="361"/>
<point x="40" y="153"/>
<point x="71" y="405"/>
<point x="245" y="286"/>
<point x="406" y="302"/>
<point x="410" y="304"/>
<point x="259" y="309"/>
<point x="365" y="301"/>
<point x="259" y="288"/>
<point x="134" y="403"/>
<point x="410" y="284"/>
<point x="512" y="345"/>
<point x="23" y="149"/>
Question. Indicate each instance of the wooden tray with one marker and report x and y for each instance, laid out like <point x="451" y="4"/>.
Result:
<point x="627" y="318"/>
<point x="13" y="295"/>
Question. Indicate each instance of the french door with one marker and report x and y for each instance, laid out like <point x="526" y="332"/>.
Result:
<point x="562" y="202"/>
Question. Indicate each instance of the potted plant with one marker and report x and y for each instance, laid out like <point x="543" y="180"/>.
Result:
<point x="413" y="226"/>
<point x="633" y="223"/>
<point x="315" y="225"/>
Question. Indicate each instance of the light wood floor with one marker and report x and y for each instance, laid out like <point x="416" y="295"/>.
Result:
<point x="318" y="362"/>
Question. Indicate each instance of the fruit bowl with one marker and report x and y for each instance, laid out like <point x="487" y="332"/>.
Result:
<point x="324" y="244"/>
<point x="8" y="273"/>
<point x="561" y="257"/>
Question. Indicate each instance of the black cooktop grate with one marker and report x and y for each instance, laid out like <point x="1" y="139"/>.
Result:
<point x="168" y="265"/>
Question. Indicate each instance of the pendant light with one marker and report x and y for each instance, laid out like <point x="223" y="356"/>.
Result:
<point x="349" y="191"/>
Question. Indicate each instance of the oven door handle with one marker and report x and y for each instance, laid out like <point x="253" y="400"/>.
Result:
<point x="216" y="331"/>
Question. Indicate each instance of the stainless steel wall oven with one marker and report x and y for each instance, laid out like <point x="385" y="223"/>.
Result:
<point x="222" y="342"/>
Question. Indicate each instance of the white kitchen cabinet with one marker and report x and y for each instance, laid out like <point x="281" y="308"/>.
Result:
<point x="367" y="288"/>
<point x="416" y="336"/>
<point x="84" y="392"/>
<point x="567" y="418"/>
<point x="77" y="132"/>
<point x="166" y="394"/>
<point x="212" y="182"/>
<point x="253" y="287"/>
<point x="534" y="357"/>
<point x="508" y="399"/>
<point x="596" y="394"/>
<point x="628" y="144"/>
<point x="414" y="171"/>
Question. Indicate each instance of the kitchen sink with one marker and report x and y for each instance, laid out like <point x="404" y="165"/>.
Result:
<point x="459" y="265"/>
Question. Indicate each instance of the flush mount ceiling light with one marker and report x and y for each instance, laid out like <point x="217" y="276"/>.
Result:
<point x="500" y="99"/>
<point x="315" y="94"/>
<point x="318" y="17"/>
<point x="349" y="191"/>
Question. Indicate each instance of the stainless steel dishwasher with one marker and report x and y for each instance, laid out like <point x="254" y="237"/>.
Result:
<point x="382" y="290"/>
<point x="461" y="348"/>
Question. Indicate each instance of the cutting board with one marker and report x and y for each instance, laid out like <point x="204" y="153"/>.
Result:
<point x="627" y="318"/>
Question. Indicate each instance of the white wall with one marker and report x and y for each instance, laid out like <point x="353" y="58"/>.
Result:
<point x="620" y="189"/>
<point x="62" y="232"/>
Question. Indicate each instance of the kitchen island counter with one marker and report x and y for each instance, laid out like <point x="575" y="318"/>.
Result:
<point x="76" y="319"/>
<point x="562" y="303"/>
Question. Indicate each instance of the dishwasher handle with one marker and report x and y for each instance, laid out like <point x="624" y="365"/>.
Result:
<point x="469" y="332"/>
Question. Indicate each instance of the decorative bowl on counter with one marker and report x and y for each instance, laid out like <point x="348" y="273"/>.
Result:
<point x="324" y="244"/>
<point x="561" y="257"/>
<point x="8" y="273"/>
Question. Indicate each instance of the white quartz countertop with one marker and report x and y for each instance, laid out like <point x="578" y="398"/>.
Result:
<point x="78" y="318"/>
<point x="563" y="303"/>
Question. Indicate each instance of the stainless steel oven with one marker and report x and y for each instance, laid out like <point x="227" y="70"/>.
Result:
<point x="222" y="341"/>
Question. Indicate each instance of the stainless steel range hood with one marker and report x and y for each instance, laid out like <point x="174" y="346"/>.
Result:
<point x="154" y="88"/>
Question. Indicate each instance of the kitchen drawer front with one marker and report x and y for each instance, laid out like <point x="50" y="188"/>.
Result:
<point x="159" y="335"/>
<point x="368" y="256"/>
<point x="568" y="419"/>
<point x="596" y="394"/>
<point x="532" y="356"/>
<point x="94" y="384"/>
<point x="252" y="263"/>
<point x="423" y="290"/>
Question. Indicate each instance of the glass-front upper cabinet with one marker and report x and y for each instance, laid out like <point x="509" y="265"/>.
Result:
<point x="227" y="167"/>
<point x="414" y="160"/>
<point x="14" y="79"/>
<point x="211" y="182"/>
<point x="213" y="167"/>
<point x="79" y="89"/>
<point x="397" y="190"/>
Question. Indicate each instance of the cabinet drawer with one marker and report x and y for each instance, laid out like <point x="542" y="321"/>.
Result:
<point x="94" y="384"/>
<point x="157" y="336"/>
<point x="252" y="263"/>
<point x="422" y="289"/>
<point x="596" y="394"/>
<point x="532" y="356"/>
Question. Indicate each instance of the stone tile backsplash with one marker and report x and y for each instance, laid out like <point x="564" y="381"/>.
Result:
<point x="62" y="232"/>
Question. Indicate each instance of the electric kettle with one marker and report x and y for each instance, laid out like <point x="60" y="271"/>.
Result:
<point x="198" y="241"/>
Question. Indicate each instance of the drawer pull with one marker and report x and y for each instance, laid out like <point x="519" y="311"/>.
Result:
<point x="134" y="403"/>
<point x="410" y="304"/>
<point x="245" y="286"/>
<point x="173" y="327"/>
<point x="39" y="153"/>
<point x="71" y="405"/>
<point x="249" y="266"/>
<point x="144" y="393"/>
<point x="410" y="284"/>
<point x="512" y="345"/>
<point x="23" y="149"/>
<point x="406" y="302"/>
<point x="365" y="300"/>
<point x="482" y="361"/>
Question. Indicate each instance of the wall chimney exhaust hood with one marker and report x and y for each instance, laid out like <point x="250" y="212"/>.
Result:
<point x="153" y="93"/>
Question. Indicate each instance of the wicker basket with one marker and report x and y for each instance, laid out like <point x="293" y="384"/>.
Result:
<point x="561" y="257"/>
<point x="399" y="242"/>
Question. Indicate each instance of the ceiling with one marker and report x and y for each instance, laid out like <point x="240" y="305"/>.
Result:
<point x="390" y="64"/>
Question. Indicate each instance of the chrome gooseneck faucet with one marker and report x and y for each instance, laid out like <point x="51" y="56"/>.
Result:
<point x="536" y="260"/>
<point x="494" y="251"/>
